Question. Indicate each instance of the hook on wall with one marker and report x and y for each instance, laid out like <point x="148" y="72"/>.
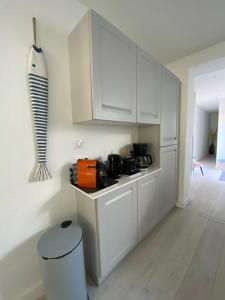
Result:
<point x="35" y="31"/>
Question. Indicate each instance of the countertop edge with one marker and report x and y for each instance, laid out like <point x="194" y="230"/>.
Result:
<point x="120" y="184"/>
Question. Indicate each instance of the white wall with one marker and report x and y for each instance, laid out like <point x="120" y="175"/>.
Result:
<point x="220" y="155"/>
<point x="186" y="69"/>
<point x="27" y="208"/>
<point x="214" y="121"/>
<point x="201" y="133"/>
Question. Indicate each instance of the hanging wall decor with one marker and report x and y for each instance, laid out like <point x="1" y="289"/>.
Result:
<point x="38" y="88"/>
<point x="213" y="134"/>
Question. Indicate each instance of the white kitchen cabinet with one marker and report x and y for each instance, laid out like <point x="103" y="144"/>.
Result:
<point x="114" y="221"/>
<point x="148" y="88"/>
<point x="148" y="204"/>
<point x="117" y="223"/>
<point x="168" y="179"/>
<point x="102" y="71"/>
<point x="170" y="100"/>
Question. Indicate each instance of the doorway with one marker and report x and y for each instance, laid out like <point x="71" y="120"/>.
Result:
<point x="207" y="195"/>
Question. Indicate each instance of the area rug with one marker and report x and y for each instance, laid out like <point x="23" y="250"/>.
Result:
<point x="222" y="176"/>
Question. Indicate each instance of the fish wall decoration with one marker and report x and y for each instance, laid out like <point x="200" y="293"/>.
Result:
<point x="38" y="88"/>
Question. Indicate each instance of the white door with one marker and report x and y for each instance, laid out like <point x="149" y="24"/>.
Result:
<point x="148" y="204"/>
<point x="170" y="100"/>
<point x="117" y="223"/>
<point x="148" y="88"/>
<point x="168" y="179"/>
<point x="114" y="72"/>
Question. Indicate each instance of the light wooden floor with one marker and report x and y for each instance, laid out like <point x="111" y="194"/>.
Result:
<point x="208" y="194"/>
<point x="182" y="259"/>
<point x="210" y="161"/>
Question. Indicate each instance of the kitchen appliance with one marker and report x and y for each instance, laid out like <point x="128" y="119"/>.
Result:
<point x="140" y="152"/>
<point x="87" y="173"/>
<point x="91" y="176"/>
<point x="114" y="169"/>
<point x="129" y="165"/>
<point x="143" y="162"/>
<point x="73" y="174"/>
<point x="90" y="173"/>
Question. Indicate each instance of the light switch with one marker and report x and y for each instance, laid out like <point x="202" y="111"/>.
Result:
<point x="79" y="144"/>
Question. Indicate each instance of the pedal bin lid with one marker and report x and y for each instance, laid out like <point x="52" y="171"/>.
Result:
<point x="59" y="240"/>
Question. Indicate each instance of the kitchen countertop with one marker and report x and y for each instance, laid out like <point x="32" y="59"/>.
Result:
<point x="123" y="180"/>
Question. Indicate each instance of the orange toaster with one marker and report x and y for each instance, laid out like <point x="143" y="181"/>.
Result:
<point x="87" y="173"/>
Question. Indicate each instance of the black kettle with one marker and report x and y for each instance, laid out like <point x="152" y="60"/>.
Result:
<point x="115" y="166"/>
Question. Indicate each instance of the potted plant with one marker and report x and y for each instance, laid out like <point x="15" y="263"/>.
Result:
<point x="212" y="135"/>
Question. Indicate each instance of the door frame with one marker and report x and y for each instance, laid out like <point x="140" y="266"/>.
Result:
<point x="193" y="72"/>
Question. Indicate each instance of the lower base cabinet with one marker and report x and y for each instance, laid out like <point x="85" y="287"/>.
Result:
<point x="115" y="222"/>
<point x="168" y="179"/>
<point x="148" y="204"/>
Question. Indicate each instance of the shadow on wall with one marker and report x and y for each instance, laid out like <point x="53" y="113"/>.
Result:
<point x="126" y="150"/>
<point x="22" y="265"/>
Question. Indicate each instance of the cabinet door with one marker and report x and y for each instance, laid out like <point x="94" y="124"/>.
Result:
<point x="148" y="204"/>
<point x="114" y="72"/>
<point x="148" y="88"/>
<point x="168" y="179"/>
<point x="117" y="224"/>
<point x="170" y="100"/>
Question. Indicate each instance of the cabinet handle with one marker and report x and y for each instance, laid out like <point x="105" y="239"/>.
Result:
<point x="116" y="108"/>
<point x="118" y="197"/>
<point x="170" y="139"/>
<point x="151" y="114"/>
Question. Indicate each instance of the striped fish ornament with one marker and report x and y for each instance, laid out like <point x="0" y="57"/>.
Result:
<point x="38" y="86"/>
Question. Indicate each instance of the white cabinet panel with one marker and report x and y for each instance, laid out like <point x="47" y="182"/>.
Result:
<point x="114" y="72"/>
<point x="114" y="80"/>
<point x="103" y="72"/>
<point x="148" y="204"/>
<point x="148" y="88"/>
<point x="168" y="179"/>
<point x="170" y="100"/>
<point x="117" y="223"/>
<point x="114" y="222"/>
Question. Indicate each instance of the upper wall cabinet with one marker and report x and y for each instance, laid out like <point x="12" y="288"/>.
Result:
<point x="103" y="72"/>
<point x="170" y="100"/>
<point x="148" y="88"/>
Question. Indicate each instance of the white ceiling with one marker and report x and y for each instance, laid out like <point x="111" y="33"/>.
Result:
<point x="63" y="18"/>
<point x="169" y="29"/>
<point x="210" y="89"/>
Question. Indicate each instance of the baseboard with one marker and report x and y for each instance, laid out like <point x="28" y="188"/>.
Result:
<point x="179" y="204"/>
<point x="33" y="293"/>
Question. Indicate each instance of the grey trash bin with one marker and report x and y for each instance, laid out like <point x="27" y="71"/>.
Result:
<point x="61" y="252"/>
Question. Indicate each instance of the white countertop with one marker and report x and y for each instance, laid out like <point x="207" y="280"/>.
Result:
<point x="123" y="180"/>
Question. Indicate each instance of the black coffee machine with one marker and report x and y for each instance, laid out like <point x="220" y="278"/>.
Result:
<point x="140" y="152"/>
<point x="129" y="165"/>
